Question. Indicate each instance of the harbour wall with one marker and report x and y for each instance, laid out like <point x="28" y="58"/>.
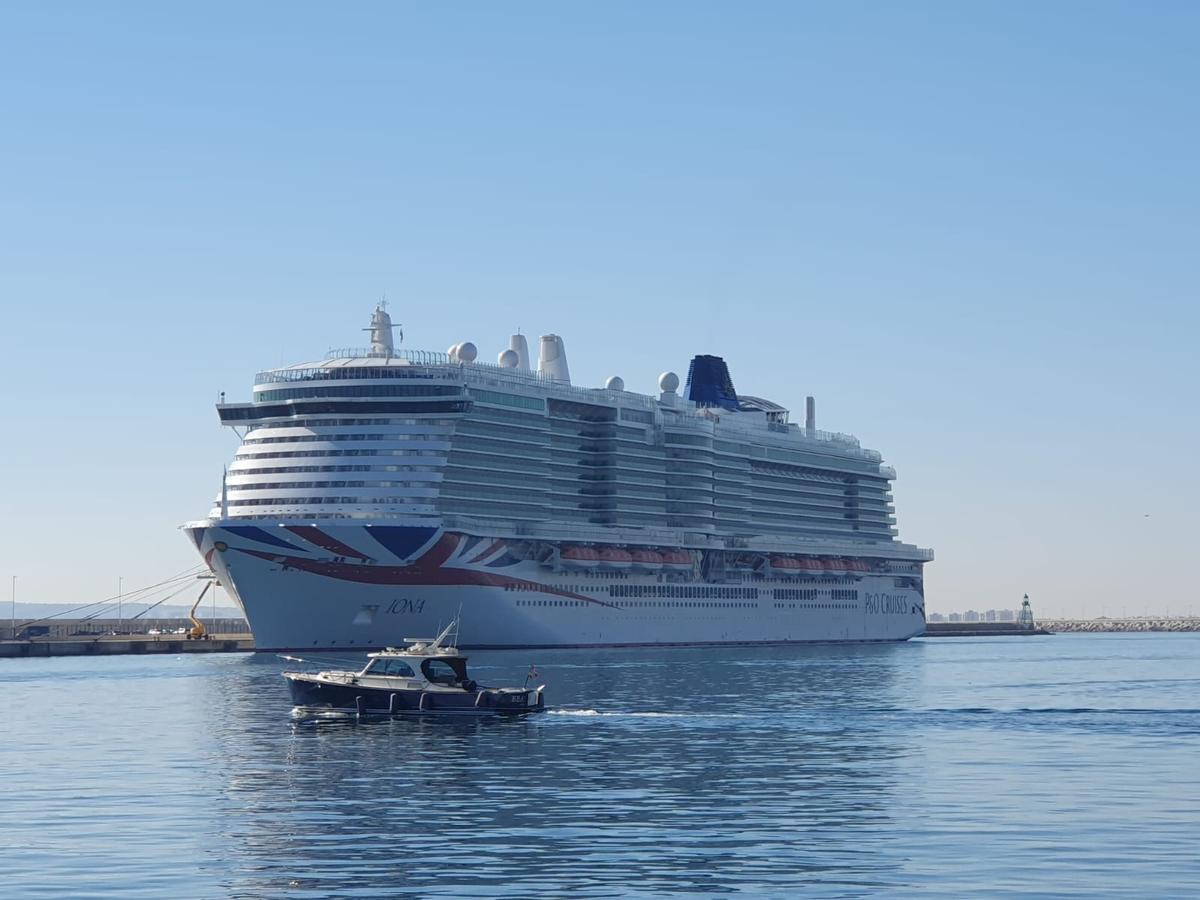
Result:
<point x="70" y="629"/>
<point x="117" y="645"/>
<point x="981" y="629"/>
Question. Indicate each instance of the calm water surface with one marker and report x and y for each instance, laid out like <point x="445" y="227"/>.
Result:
<point x="1059" y="766"/>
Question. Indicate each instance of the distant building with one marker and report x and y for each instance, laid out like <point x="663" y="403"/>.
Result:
<point x="1008" y="615"/>
<point x="991" y="616"/>
<point x="970" y="616"/>
<point x="956" y="617"/>
<point x="936" y="617"/>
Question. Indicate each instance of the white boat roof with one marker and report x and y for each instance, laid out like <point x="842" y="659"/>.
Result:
<point x="422" y="650"/>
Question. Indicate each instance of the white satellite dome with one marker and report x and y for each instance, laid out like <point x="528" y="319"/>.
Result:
<point x="616" y="383"/>
<point x="508" y="359"/>
<point x="467" y="351"/>
<point x="668" y="382"/>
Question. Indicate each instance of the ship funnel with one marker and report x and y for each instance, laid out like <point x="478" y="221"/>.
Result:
<point x="552" y="362"/>
<point x="709" y="384"/>
<point x="381" y="332"/>
<point x="810" y="415"/>
<point x="518" y="345"/>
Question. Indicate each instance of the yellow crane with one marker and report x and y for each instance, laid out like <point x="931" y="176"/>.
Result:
<point x="198" y="632"/>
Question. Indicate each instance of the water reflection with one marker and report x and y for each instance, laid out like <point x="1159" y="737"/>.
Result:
<point x="669" y="770"/>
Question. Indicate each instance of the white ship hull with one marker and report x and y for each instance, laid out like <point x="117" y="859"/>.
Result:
<point x="370" y="586"/>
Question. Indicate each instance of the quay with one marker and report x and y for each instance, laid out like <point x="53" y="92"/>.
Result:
<point x="982" y="629"/>
<point x="137" y="644"/>
<point x="108" y="637"/>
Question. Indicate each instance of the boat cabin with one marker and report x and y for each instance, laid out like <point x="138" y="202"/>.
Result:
<point x="449" y="671"/>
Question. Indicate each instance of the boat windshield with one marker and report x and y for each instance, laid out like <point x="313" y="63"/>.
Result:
<point x="445" y="671"/>
<point x="396" y="668"/>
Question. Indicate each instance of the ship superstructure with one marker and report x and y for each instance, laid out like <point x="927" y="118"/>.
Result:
<point x="377" y="491"/>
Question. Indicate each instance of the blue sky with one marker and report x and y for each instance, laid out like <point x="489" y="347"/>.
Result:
<point x="970" y="230"/>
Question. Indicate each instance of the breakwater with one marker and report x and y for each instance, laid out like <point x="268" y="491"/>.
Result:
<point x="1134" y="624"/>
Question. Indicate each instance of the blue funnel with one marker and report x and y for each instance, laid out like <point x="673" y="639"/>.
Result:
<point x="709" y="384"/>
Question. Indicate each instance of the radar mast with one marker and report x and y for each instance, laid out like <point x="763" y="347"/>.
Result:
<point x="381" y="332"/>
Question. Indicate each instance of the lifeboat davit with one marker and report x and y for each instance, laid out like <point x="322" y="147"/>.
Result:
<point x="741" y="563"/>
<point x="834" y="567"/>
<point x="579" y="558"/>
<point x="677" y="561"/>
<point x="810" y="566"/>
<point x="646" y="560"/>
<point x="784" y="565"/>
<point x="613" y="558"/>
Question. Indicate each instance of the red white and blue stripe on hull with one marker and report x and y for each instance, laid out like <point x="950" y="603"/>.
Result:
<point x="334" y="585"/>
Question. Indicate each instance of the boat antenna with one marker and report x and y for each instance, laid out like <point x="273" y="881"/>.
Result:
<point x="445" y="632"/>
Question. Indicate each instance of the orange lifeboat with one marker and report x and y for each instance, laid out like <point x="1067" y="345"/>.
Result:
<point x="834" y="567"/>
<point x="677" y="561"/>
<point x="858" y="566"/>
<point x="614" y="558"/>
<point x="579" y="558"/>
<point x="811" y="566"/>
<point x="646" y="560"/>
<point x="785" y="565"/>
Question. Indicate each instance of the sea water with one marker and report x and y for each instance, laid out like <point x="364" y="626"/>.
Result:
<point x="1040" y="766"/>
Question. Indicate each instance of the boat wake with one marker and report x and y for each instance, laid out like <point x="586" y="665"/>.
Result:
<point x="594" y="713"/>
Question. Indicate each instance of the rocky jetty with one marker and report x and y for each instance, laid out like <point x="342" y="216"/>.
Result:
<point x="1139" y="623"/>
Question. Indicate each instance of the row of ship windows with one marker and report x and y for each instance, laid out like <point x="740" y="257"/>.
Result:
<point x="688" y="592"/>
<point x="677" y="604"/>
<point x="798" y="473"/>
<point x="263" y="486"/>
<point x="514" y="400"/>
<point x="360" y="390"/>
<point x="524" y="402"/>
<point x="471" y="486"/>
<point x="813" y="594"/>
<point x="308" y="454"/>
<point x="309" y="438"/>
<point x="816" y="606"/>
<point x="280" y="413"/>
<point x="316" y="501"/>
<point x="286" y="470"/>
<point x="353" y="436"/>
<point x="646" y="604"/>
<point x="507" y="417"/>
<point x="699" y="592"/>
<point x="339" y="423"/>
<point x="346" y="373"/>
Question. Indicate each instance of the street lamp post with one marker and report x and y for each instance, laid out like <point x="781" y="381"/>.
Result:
<point x="120" y="593"/>
<point x="14" y="607"/>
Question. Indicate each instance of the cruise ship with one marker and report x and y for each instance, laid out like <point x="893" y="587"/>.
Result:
<point x="379" y="493"/>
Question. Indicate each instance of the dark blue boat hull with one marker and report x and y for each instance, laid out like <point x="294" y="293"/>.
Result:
<point x="312" y="694"/>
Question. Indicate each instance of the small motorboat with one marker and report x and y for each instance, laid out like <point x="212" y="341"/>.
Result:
<point x="426" y="678"/>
